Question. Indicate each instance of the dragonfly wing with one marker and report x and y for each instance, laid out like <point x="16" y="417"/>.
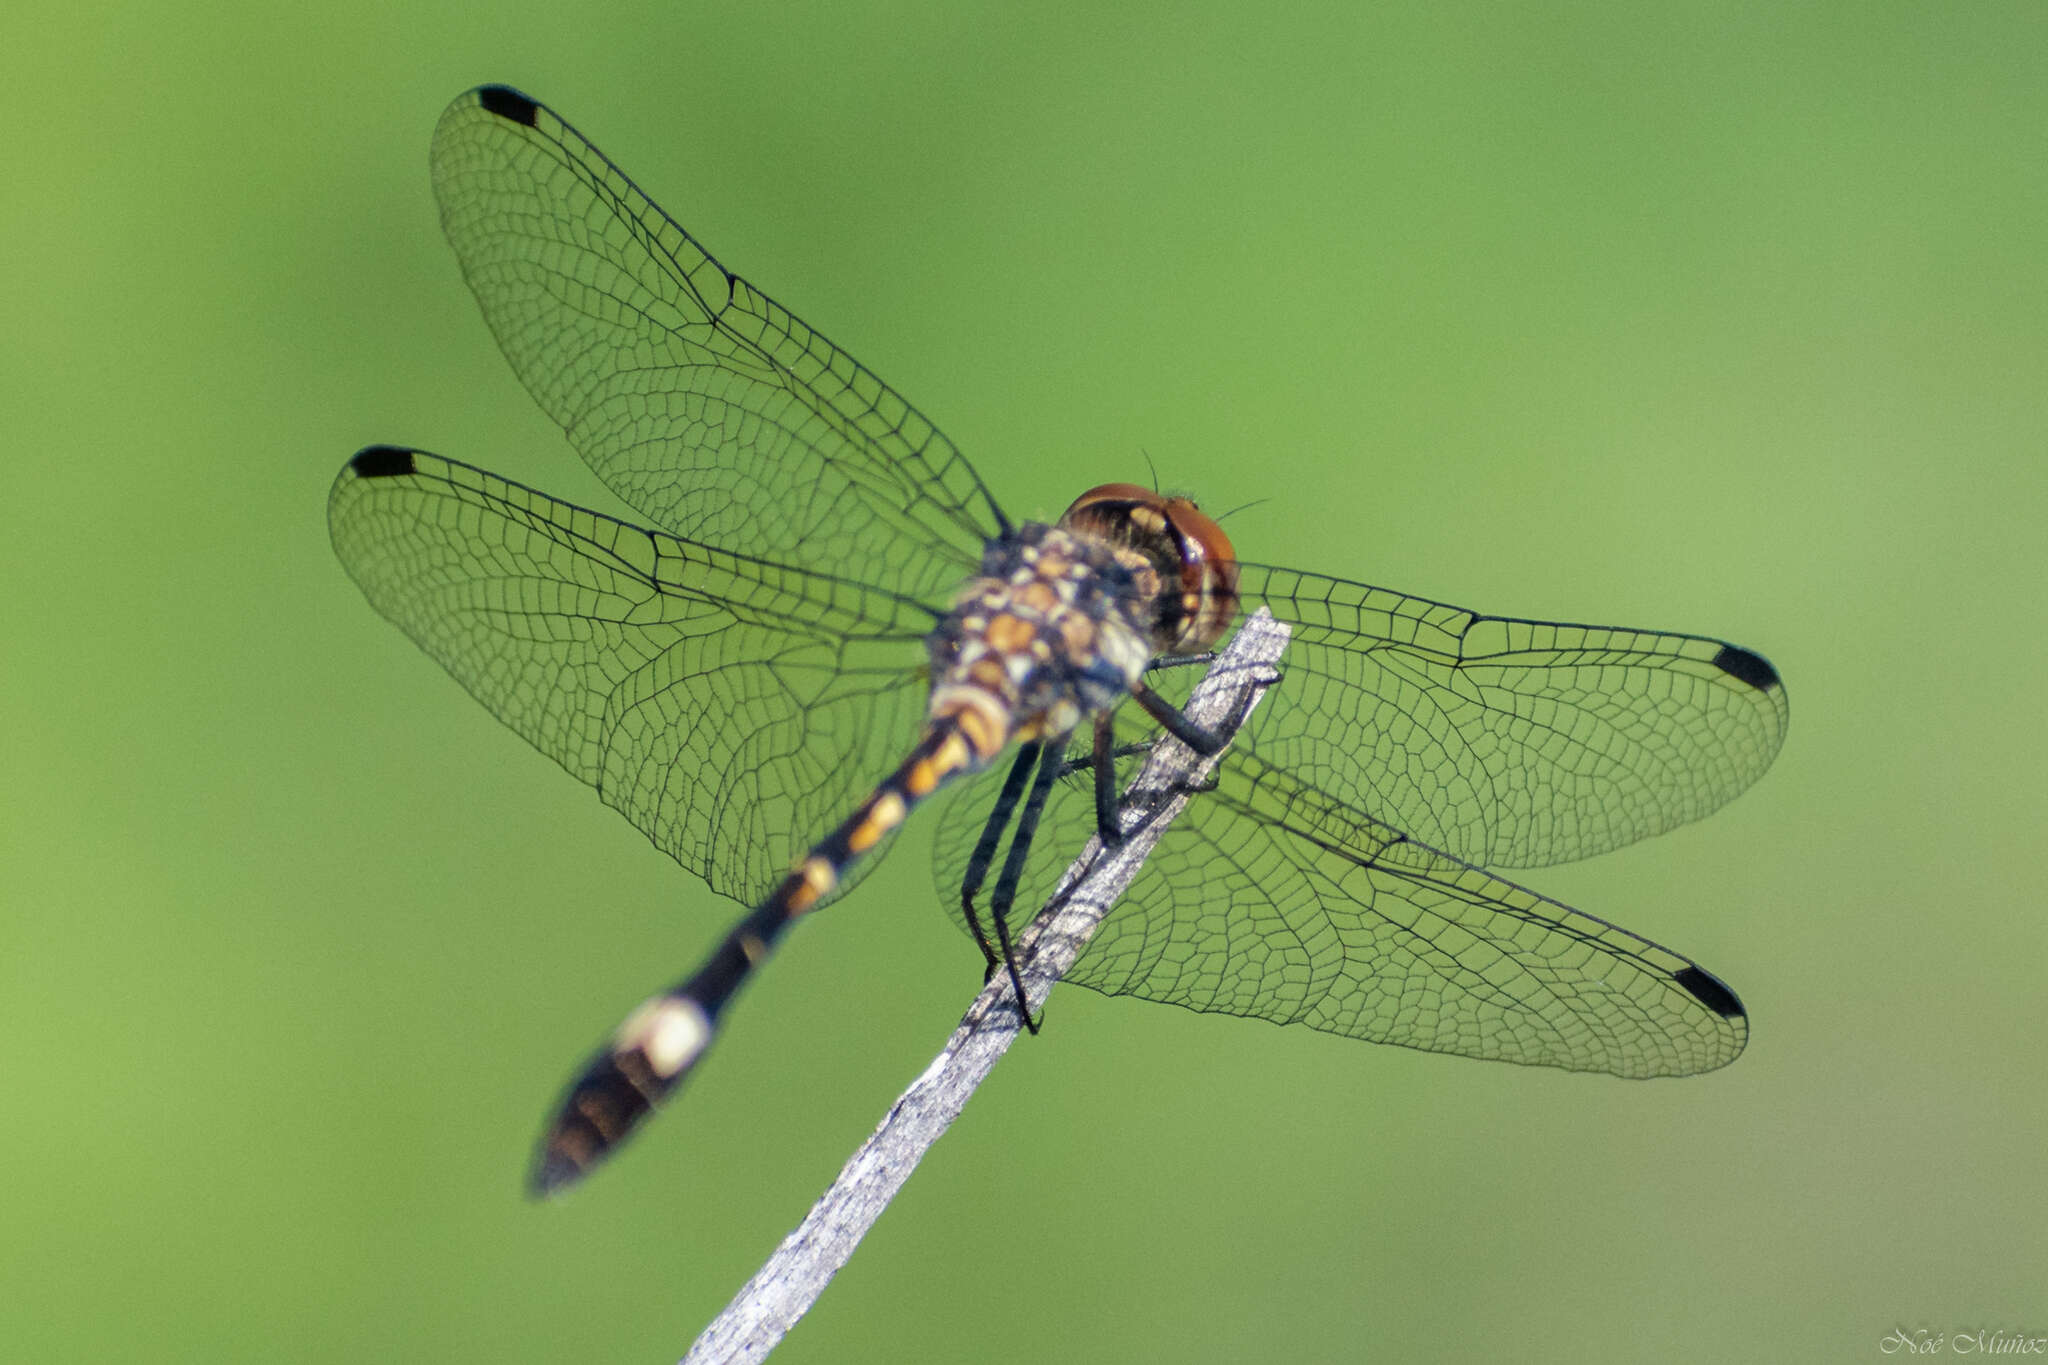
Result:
<point x="698" y="399"/>
<point x="1505" y="742"/>
<point x="727" y="706"/>
<point x="1271" y="899"/>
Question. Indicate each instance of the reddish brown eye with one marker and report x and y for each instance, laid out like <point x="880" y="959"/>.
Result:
<point x="1208" y="574"/>
<point x="1112" y="493"/>
<point x="1199" y="527"/>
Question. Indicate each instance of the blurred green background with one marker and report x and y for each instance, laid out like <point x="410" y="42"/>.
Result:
<point x="1717" y="318"/>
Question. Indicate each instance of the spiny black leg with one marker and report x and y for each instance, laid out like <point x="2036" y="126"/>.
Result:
<point x="1106" y="827"/>
<point x="1086" y="763"/>
<point x="1013" y="871"/>
<point x="1179" y="726"/>
<point x="985" y="851"/>
<point x="1164" y="661"/>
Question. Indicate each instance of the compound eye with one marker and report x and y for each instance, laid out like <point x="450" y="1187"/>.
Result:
<point x="1208" y="575"/>
<point x="1201" y="531"/>
<point x="1107" y="495"/>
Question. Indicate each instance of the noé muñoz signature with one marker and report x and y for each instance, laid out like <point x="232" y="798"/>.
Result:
<point x="1979" y="1342"/>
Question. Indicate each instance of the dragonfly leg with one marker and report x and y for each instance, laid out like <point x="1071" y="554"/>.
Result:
<point x="1106" y="827"/>
<point x="1013" y="872"/>
<point x="984" y="854"/>
<point x="1203" y="741"/>
<point x="1164" y="661"/>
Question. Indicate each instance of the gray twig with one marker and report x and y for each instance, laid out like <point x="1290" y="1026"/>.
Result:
<point x="784" y="1289"/>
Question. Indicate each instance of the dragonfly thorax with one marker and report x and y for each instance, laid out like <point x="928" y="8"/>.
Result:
<point x="1055" y="628"/>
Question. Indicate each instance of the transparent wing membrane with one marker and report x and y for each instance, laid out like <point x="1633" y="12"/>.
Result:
<point x="729" y="707"/>
<point x="1504" y="742"/>
<point x="698" y="399"/>
<point x="1272" y="900"/>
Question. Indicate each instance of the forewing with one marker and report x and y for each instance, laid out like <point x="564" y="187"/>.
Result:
<point x="1272" y="900"/>
<point x="694" y="396"/>
<point x="1504" y="742"/>
<point x="727" y="706"/>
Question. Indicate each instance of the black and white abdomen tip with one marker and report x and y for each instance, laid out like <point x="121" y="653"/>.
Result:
<point x="648" y="1058"/>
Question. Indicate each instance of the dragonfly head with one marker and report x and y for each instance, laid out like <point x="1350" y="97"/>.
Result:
<point x="1188" y="549"/>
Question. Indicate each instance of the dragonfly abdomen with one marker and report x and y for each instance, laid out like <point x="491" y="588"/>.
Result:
<point x="651" y="1053"/>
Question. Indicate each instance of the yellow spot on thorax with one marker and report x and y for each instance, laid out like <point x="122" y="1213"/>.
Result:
<point x="1009" y="633"/>
<point x="1038" y="596"/>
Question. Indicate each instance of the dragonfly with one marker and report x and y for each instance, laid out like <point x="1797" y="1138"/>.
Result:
<point x="831" y="620"/>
